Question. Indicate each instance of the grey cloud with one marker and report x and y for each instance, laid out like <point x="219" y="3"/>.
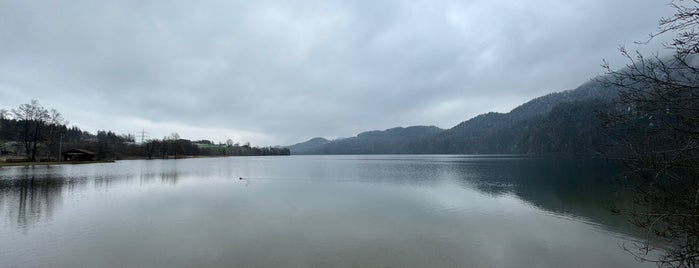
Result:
<point x="278" y="72"/>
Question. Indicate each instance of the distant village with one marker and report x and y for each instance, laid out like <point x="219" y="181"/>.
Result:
<point x="31" y="133"/>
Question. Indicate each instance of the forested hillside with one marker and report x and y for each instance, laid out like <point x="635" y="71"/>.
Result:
<point x="563" y="123"/>
<point x="391" y="141"/>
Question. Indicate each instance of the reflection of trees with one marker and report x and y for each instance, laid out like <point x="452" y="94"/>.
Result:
<point x="31" y="195"/>
<point x="28" y="198"/>
<point x="105" y="181"/>
<point x="169" y="177"/>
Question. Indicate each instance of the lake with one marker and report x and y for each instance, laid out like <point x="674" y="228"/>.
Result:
<point x="315" y="211"/>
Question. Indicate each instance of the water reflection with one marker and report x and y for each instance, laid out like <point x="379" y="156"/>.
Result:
<point x="368" y="211"/>
<point x="585" y="189"/>
<point x="582" y="189"/>
<point x="28" y="198"/>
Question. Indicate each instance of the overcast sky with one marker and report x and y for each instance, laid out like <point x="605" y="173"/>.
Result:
<point x="281" y="72"/>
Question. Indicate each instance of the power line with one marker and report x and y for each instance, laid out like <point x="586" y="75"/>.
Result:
<point x="143" y="136"/>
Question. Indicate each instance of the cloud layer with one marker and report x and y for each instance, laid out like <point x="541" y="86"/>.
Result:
<point x="279" y="72"/>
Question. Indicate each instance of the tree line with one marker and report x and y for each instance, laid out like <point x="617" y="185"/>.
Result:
<point x="34" y="133"/>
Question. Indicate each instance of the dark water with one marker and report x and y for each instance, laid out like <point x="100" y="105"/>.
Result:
<point x="314" y="211"/>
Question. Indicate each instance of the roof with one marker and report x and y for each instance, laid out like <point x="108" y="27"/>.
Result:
<point x="79" y="151"/>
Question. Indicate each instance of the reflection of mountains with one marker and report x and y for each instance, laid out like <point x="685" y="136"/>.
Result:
<point x="581" y="189"/>
<point x="584" y="189"/>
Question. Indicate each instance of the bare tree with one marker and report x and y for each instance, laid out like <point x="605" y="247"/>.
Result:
<point x="153" y="147"/>
<point x="56" y="124"/>
<point x="164" y="147"/>
<point x="175" y="143"/>
<point x="3" y="114"/>
<point x="657" y="121"/>
<point x="33" y="118"/>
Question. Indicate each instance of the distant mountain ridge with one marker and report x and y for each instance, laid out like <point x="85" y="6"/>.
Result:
<point x="391" y="141"/>
<point x="561" y="123"/>
<point x="309" y="144"/>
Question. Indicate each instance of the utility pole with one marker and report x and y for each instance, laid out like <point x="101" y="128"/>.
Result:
<point x="60" y="145"/>
<point x="143" y="135"/>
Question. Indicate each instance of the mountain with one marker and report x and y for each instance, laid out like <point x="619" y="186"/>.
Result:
<point x="391" y="141"/>
<point x="570" y="129"/>
<point x="301" y="147"/>
<point x="562" y="123"/>
<point x="506" y="133"/>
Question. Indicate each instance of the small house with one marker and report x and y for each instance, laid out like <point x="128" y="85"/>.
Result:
<point x="79" y="155"/>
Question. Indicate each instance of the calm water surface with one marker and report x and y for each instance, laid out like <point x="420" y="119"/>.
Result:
<point x="314" y="211"/>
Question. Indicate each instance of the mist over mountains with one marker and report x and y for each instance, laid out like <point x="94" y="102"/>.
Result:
<point x="565" y="123"/>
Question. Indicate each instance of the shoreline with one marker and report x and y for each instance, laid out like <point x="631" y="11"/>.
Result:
<point x="55" y="163"/>
<point x="52" y="163"/>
